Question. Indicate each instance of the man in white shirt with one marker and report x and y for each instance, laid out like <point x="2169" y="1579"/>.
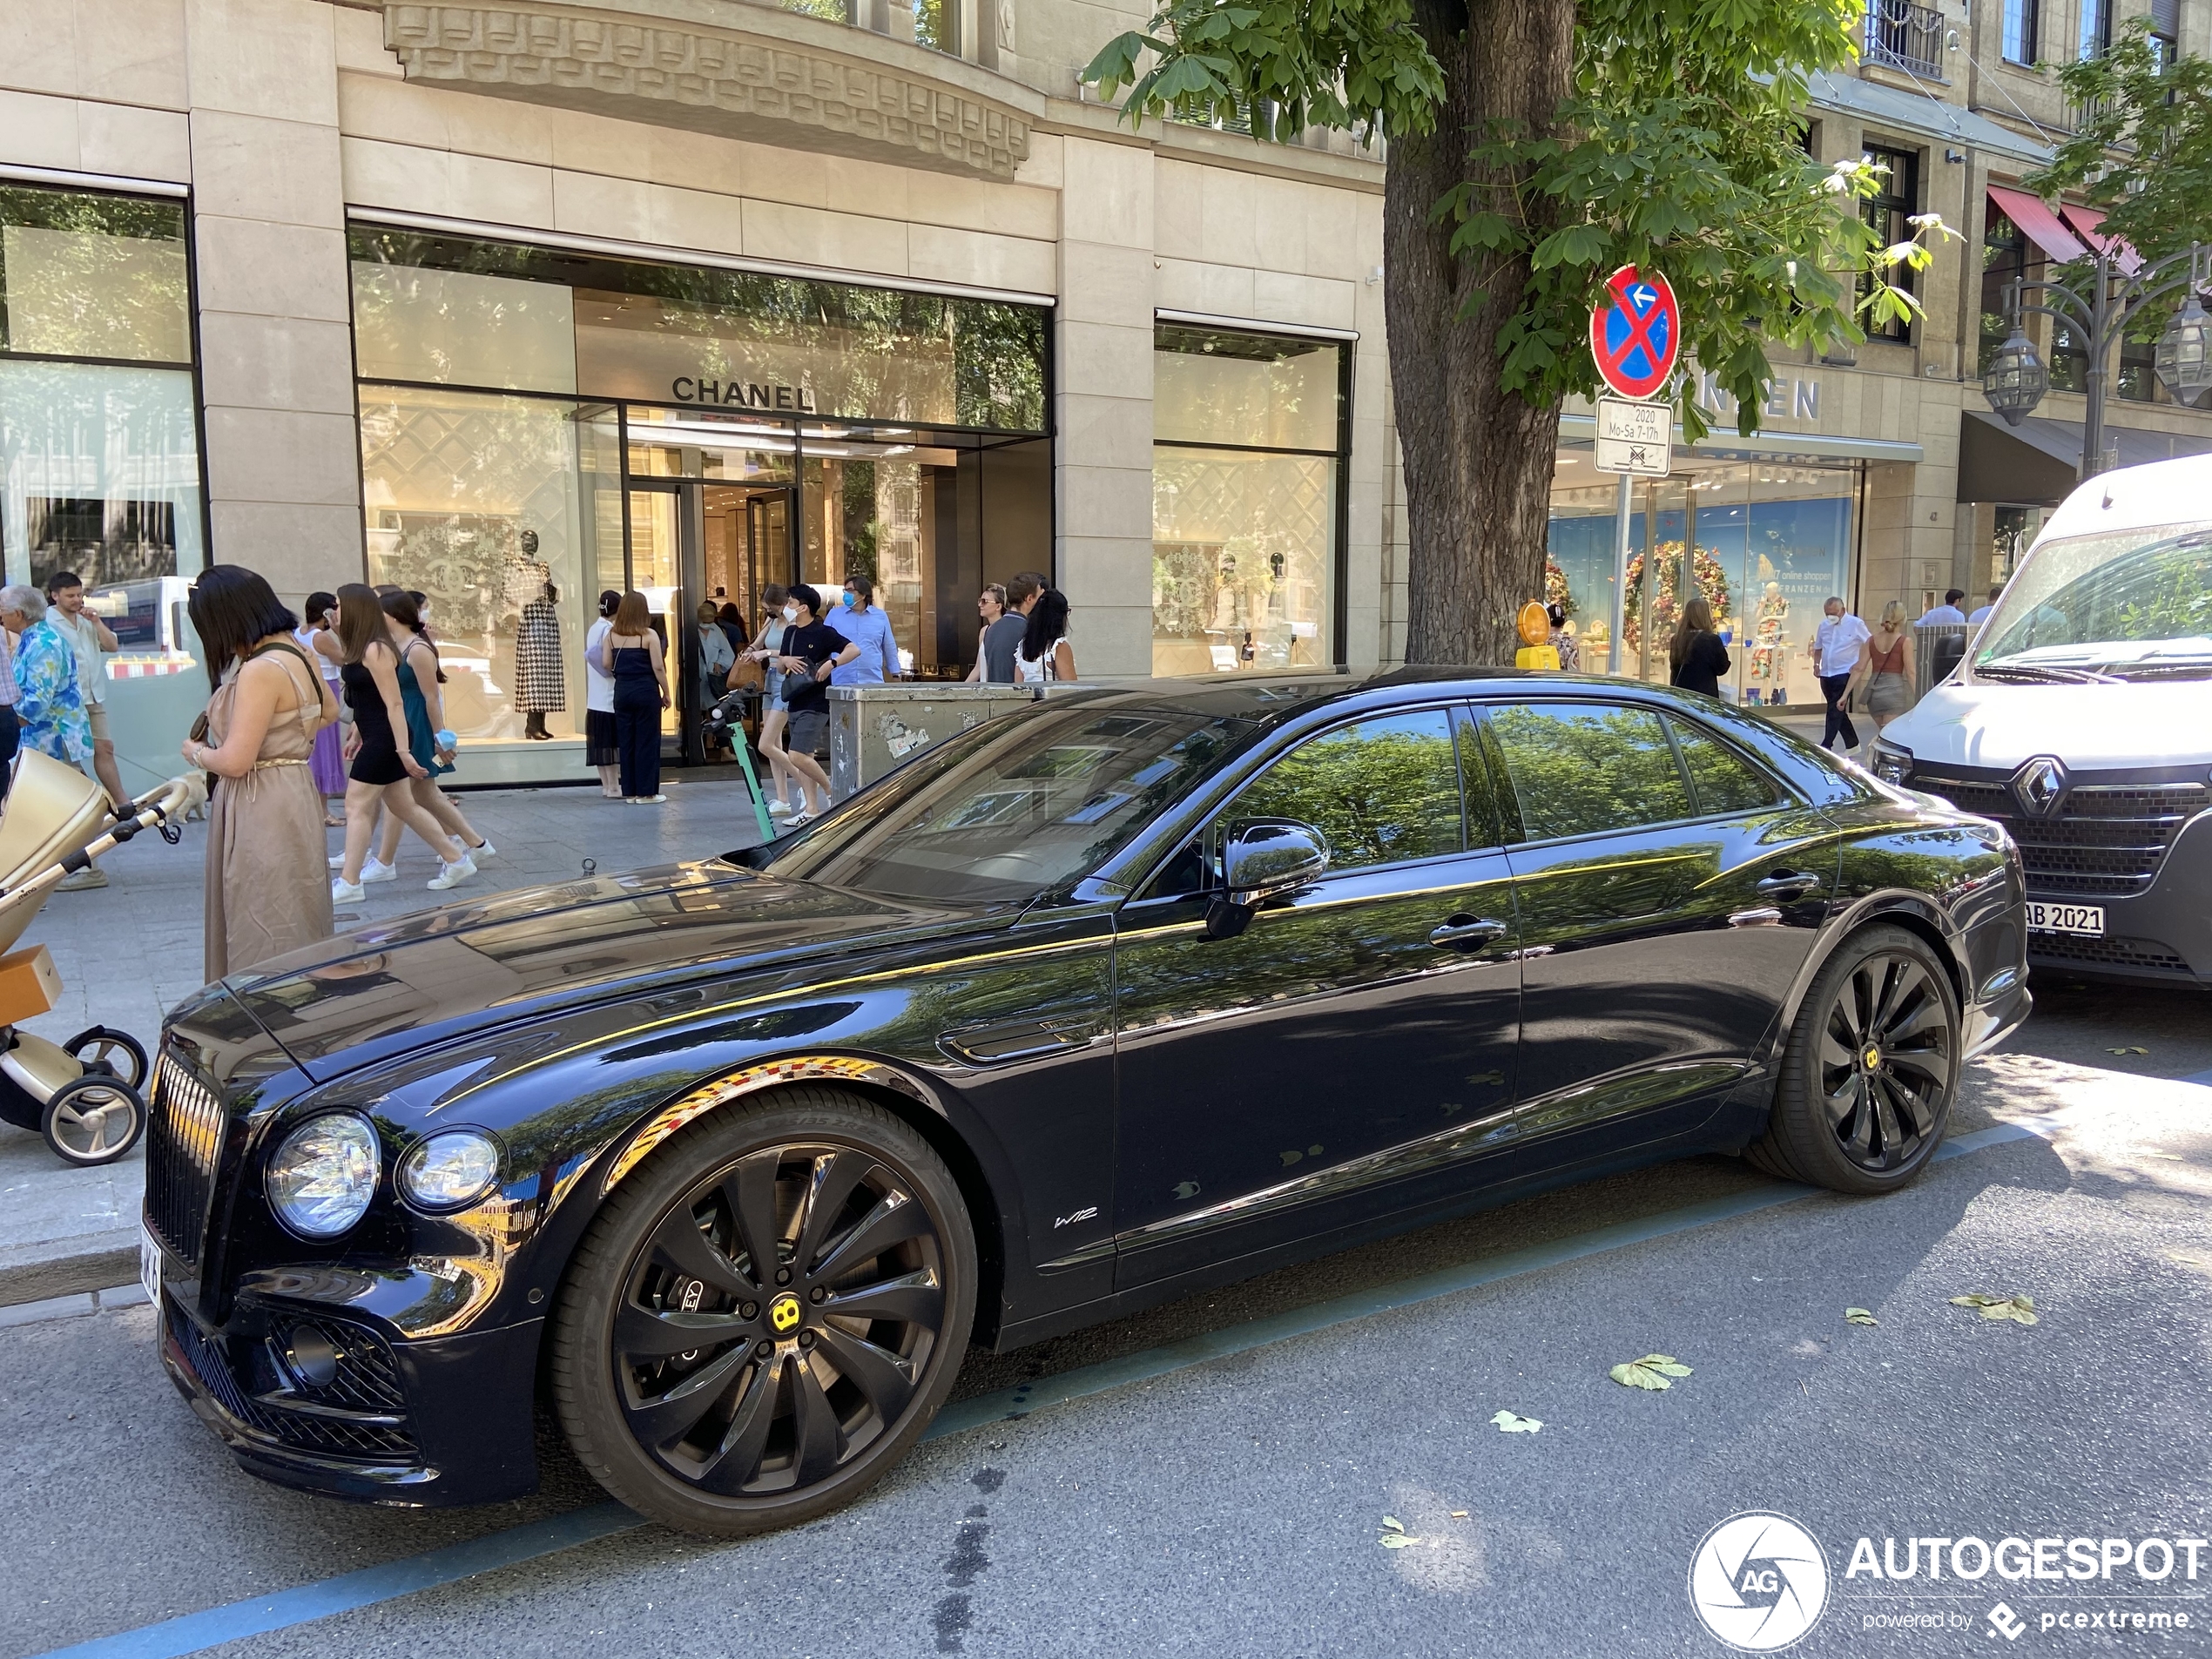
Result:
<point x="1946" y="614"/>
<point x="1835" y="644"/>
<point x="1982" y="614"/>
<point x="91" y="638"/>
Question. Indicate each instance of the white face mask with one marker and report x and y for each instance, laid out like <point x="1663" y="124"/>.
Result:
<point x="790" y="613"/>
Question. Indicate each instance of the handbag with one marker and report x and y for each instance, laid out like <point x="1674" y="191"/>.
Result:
<point x="795" y="686"/>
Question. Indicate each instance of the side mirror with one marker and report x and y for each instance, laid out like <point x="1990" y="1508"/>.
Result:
<point x="1269" y="856"/>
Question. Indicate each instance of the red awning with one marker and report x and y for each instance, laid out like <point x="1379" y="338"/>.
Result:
<point x="2085" y="221"/>
<point x="2039" y="223"/>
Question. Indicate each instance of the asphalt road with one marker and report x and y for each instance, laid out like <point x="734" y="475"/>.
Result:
<point x="1234" y="1506"/>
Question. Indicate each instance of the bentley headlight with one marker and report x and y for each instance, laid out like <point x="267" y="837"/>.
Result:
<point x="448" y="1170"/>
<point x="322" y="1177"/>
<point x="1892" y="762"/>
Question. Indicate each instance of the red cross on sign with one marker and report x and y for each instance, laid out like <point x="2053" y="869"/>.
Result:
<point x="1635" y="332"/>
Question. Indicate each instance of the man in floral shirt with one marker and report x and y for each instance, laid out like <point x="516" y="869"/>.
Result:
<point x="49" y="704"/>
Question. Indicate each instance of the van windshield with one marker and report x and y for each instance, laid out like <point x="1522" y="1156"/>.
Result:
<point x="2136" y="606"/>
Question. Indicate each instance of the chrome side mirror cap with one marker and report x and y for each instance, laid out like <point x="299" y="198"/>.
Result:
<point x="1264" y="858"/>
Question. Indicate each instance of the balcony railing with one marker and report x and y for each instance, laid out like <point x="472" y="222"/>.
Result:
<point x="1905" y="37"/>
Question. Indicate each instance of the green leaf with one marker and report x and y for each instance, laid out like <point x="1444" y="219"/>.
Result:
<point x="1653" y="1372"/>
<point x="2020" y="1309"/>
<point x="1393" y="1523"/>
<point x="1514" y="1423"/>
<point x="1859" y="1316"/>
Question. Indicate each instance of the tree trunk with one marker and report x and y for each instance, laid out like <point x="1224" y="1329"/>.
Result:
<point x="1478" y="459"/>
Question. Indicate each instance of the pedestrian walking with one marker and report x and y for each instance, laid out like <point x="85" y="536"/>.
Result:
<point x="1570" y="652"/>
<point x="49" y="699"/>
<point x="1981" y="612"/>
<point x="1887" y="658"/>
<point x="601" y="748"/>
<point x="717" y="663"/>
<point x="631" y="654"/>
<point x="803" y="662"/>
<point x="1696" y="654"/>
<point x="382" y="770"/>
<point x="1836" y="657"/>
<point x="319" y="639"/>
<point x="1946" y="615"/>
<point x="89" y="638"/>
<point x="1045" y="655"/>
<point x="268" y="891"/>
<point x="731" y="622"/>
<point x="427" y="740"/>
<point x="777" y="616"/>
<point x="870" y="656"/>
<point x="1003" y="627"/>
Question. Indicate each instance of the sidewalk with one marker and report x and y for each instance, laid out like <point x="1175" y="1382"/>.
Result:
<point x="132" y="949"/>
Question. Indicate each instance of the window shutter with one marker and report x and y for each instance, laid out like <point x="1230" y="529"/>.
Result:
<point x="2166" y="18"/>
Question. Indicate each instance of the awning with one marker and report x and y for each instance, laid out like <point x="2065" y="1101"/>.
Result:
<point x="1915" y="112"/>
<point x="2039" y="460"/>
<point x="2039" y="225"/>
<point x="2085" y="221"/>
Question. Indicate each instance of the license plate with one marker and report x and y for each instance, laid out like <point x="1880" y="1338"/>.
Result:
<point x="2087" y="920"/>
<point x="150" y="1266"/>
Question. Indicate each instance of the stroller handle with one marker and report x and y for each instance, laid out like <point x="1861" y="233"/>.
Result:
<point x="159" y="808"/>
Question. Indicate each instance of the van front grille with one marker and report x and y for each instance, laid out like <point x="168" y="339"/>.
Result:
<point x="2106" y="841"/>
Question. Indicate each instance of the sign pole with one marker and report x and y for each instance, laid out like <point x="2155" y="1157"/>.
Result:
<point x="1619" y="664"/>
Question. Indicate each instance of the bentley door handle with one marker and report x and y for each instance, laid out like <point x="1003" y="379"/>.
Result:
<point x="1792" y="883"/>
<point x="1468" y="933"/>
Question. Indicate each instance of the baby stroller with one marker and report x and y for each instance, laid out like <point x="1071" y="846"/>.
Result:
<point x="83" y="1096"/>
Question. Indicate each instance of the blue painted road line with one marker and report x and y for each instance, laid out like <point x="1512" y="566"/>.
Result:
<point x="193" y="1632"/>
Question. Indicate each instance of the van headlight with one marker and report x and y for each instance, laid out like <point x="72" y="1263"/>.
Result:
<point x="322" y="1176"/>
<point x="1892" y="762"/>
<point x="448" y="1170"/>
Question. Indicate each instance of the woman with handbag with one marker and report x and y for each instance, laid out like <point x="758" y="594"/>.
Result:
<point x="268" y="891"/>
<point x="632" y="655"/>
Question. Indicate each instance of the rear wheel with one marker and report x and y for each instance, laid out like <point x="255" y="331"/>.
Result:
<point x="766" y="1315"/>
<point x="117" y="1053"/>
<point x="1871" y="1067"/>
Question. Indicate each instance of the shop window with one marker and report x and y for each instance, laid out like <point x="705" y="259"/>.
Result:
<point x="460" y="329"/>
<point x="1896" y="198"/>
<point x="2004" y="259"/>
<point x="1721" y="780"/>
<point x="1247" y="474"/>
<point x="92" y="276"/>
<point x="1381" y="791"/>
<point x="1583" y="769"/>
<point x="2069" y="360"/>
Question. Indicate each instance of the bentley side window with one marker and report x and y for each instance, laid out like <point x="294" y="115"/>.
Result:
<point x="1382" y="790"/>
<point x="1720" y="779"/>
<point x="1586" y="768"/>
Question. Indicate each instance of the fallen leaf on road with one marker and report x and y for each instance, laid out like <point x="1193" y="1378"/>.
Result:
<point x="2170" y="1157"/>
<point x="1654" y="1370"/>
<point x="1859" y="1316"/>
<point x="1394" y="1535"/>
<point x="1514" y="1423"/>
<point x="2188" y="1261"/>
<point x="2020" y="1309"/>
<point x="2127" y="1051"/>
<point x="1459" y="1514"/>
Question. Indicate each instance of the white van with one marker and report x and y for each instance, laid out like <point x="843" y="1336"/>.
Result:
<point x="2080" y="718"/>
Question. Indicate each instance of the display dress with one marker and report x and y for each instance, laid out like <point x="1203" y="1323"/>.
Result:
<point x="540" y="682"/>
<point x="1769" y="668"/>
<point x="268" y="888"/>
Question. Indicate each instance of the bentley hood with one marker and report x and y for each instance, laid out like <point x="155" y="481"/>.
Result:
<point x="531" y="953"/>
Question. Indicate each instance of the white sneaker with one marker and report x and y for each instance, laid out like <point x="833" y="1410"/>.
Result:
<point x="486" y="853"/>
<point x="345" y="892"/>
<point x="375" y="869"/>
<point x="780" y="809"/>
<point x="651" y="800"/>
<point x="452" y="875"/>
<point x="337" y="860"/>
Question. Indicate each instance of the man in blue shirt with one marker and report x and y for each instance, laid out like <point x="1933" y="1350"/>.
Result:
<point x="870" y="656"/>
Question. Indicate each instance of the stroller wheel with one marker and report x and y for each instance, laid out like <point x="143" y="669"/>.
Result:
<point x="115" y="1053"/>
<point x="93" y="1120"/>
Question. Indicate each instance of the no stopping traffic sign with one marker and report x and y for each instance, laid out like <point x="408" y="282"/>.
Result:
<point x="1635" y="332"/>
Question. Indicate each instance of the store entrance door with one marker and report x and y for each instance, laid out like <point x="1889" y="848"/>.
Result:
<point x="736" y="539"/>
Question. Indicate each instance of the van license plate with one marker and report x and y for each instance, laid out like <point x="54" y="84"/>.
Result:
<point x="2087" y="920"/>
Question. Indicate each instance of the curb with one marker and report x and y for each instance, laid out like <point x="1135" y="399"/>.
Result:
<point x="98" y="1262"/>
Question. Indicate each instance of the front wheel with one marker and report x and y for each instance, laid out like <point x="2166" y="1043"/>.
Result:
<point x="766" y="1315"/>
<point x="92" y="1119"/>
<point x="1871" y="1067"/>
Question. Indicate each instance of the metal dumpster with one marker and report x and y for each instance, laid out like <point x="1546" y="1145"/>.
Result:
<point x="874" y="728"/>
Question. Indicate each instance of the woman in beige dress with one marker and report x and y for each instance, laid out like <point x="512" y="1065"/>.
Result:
<point x="267" y="890"/>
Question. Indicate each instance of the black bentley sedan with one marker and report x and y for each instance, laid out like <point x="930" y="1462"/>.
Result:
<point x="1135" y="992"/>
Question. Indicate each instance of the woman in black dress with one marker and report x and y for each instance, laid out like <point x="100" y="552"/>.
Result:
<point x="1699" y="658"/>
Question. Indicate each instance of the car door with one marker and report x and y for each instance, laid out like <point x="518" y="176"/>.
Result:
<point x="1669" y="889"/>
<point x="1357" y="1031"/>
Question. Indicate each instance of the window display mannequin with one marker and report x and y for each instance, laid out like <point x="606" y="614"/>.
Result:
<point x="540" y="681"/>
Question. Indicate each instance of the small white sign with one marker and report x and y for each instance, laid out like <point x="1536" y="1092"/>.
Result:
<point x="1634" y="437"/>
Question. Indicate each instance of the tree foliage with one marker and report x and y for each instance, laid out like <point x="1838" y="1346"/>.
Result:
<point x="2142" y="153"/>
<point x="1679" y="147"/>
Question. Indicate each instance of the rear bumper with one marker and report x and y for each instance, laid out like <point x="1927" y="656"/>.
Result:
<point x="435" y="1423"/>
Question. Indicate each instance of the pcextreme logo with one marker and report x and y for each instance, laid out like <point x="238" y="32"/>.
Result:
<point x="1759" y="1582"/>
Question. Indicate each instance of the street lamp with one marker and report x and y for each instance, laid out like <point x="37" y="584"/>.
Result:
<point x="2016" y="379"/>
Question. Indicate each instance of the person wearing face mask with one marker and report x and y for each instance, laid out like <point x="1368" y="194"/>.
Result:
<point x="809" y="647"/>
<point x="778" y="616"/>
<point x="869" y="656"/>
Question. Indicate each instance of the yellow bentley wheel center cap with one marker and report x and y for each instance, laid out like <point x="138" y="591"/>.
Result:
<point x="1873" y="1057"/>
<point x="783" y="1313"/>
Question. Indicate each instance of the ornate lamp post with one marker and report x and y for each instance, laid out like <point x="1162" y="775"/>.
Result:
<point x="2016" y="379"/>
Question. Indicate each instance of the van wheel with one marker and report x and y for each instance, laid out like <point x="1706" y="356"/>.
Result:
<point x="766" y="1315"/>
<point x="1871" y="1067"/>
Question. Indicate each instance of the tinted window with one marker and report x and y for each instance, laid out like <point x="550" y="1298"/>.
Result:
<point x="1723" y="780"/>
<point x="1478" y="785"/>
<point x="1380" y="791"/>
<point x="1581" y="768"/>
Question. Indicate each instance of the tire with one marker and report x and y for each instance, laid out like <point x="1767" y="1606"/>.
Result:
<point x="1839" y="1122"/>
<point x="92" y="1120"/>
<point x="123" y="1056"/>
<point x="783" y="1409"/>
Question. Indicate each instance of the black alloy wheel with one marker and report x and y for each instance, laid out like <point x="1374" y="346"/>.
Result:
<point x="1872" y="1065"/>
<point x="766" y="1315"/>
